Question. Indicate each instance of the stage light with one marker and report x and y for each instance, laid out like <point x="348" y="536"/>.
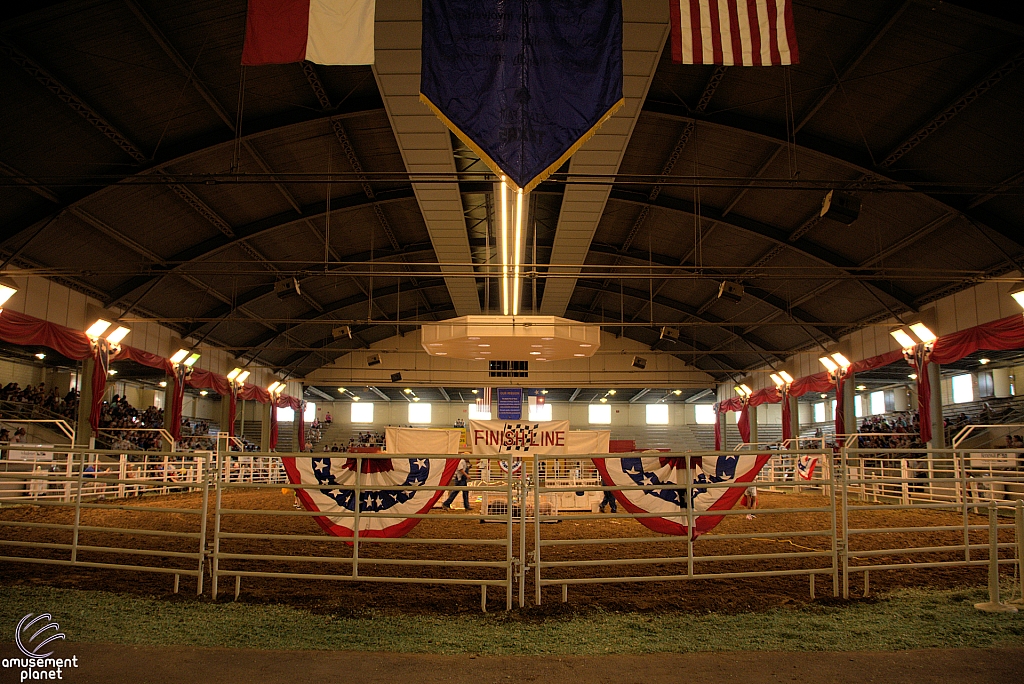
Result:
<point x="179" y="356"/>
<point x="841" y="360"/>
<point x="787" y="377"/>
<point x="40" y="356"/>
<point x="984" y="361"/>
<point x="923" y="333"/>
<point x="234" y="374"/>
<point x="97" y="328"/>
<point x="779" y="382"/>
<point x="191" y="360"/>
<point x="8" y="288"/>
<point x="1018" y="296"/>
<point x="912" y="376"/>
<point x="905" y="341"/>
<point x="112" y="372"/>
<point x="830" y="365"/>
<point x="203" y="393"/>
<point x="163" y="383"/>
<point x="120" y="332"/>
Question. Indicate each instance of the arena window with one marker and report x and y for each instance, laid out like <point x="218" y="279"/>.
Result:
<point x="419" y="413"/>
<point x="285" y="414"/>
<point x="704" y="414"/>
<point x="542" y="412"/>
<point x="362" y="412"/>
<point x="600" y="414"/>
<point x="476" y="414"/>
<point x="657" y="414"/>
<point x="309" y="415"/>
<point x="963" y="389"/>
<point x="819" y="412"/>
<point x="877" y="403"/>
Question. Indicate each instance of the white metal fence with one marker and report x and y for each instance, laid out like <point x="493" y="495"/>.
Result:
<point x="865" y="510"/>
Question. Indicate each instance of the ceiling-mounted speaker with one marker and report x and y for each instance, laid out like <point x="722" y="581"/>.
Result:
<point x="396" y="377"/>
<point x="732" y="292"/>
<point x="343" y="331"/>
<point x="840" y="206"/>
<point x="670" y="333"/>
<point x="373" y="360"/>
<point x="289" y="287"/>
<point x="639" y="362"/>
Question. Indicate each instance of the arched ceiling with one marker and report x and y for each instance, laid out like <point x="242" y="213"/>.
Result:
<point x="141" y="165"/>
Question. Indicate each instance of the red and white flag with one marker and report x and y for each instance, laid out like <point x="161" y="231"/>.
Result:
<point x="321" y="31"/>
<point x="733" y="32"/>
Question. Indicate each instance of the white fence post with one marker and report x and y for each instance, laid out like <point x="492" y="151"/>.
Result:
<point x="993" y="605"/>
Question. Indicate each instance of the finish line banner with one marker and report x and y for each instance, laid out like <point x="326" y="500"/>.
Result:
<point x="490" y="437"/>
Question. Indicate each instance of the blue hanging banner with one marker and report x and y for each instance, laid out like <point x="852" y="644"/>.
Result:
<point x="510" y="403"/>
<point x="524" y="83"/>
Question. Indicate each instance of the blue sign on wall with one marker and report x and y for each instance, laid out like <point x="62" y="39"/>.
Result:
<point x="510" y="403"/>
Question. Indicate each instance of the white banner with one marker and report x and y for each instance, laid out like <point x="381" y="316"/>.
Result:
<point x="30" y="452"/>
<point x="488" y="437"/>
<point x="588" y="442"/>
<point x="401" y="440"/>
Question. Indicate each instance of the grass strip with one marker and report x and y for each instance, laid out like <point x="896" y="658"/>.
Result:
<point x="906" y="619"/>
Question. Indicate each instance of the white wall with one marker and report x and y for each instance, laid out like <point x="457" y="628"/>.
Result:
<point x="53" y="302"/>
<point x="444" y="414"/>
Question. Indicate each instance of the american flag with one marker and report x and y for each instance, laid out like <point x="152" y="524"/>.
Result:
<point x="483" y="401"/>
<point x="733" y="32"/>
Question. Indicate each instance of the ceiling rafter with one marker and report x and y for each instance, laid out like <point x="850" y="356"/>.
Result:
<point x="197" y="147"/>
<point x="866" y="48"/>
<point x="783" y="307"/>
<point x="212" y="246"/>
<point x="685" y="309"/>
<point x="295" y="361"/>
<point x="261" y="291"/>
<point x="331" y="311"/>
<point x="840" y="154"/>
<point x="949" y="112"/>
<point x="77" y="104"/>
<point x="772" y="233"/>
<point x="218" y="109"/>
<point x="353" y="159"/>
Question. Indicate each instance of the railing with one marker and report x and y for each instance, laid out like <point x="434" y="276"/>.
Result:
<point x="281" y="549"/>
<point x="165" y="436"/>
<point x="74" y="530"/>
<point x="865" y="510"/>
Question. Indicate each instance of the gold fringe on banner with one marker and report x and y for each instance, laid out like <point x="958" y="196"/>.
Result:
<point x="493" y="166"/>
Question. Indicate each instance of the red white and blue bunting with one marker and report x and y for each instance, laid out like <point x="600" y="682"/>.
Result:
<point x="658" y="472"/>
<point x="395" y="486"/>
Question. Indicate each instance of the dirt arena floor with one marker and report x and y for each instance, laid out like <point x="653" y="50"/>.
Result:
<point x="321" y="555"/>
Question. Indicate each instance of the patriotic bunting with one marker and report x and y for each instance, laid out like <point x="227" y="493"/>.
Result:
<point x="405" y="480"/>
<point x="654" y="471"/>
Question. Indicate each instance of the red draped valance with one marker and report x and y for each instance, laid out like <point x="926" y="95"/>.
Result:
<point x="22" y="329"/>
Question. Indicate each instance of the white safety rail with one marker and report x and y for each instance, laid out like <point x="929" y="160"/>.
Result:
<point x="659" y="558"/>
<point x="942" y="503"/>
<point x="62" y="425"/>
<point x="81" y="490"/>
<point x="48" y="476"/>
<point x="165" y="436"/>
<point x="285" y="548"/>
<point x="574" y="473"/>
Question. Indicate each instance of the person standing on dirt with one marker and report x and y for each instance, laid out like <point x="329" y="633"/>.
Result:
<point x="749" y="501"/>
<point x="461" y="479"/>
<point x="609" y="500"/>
